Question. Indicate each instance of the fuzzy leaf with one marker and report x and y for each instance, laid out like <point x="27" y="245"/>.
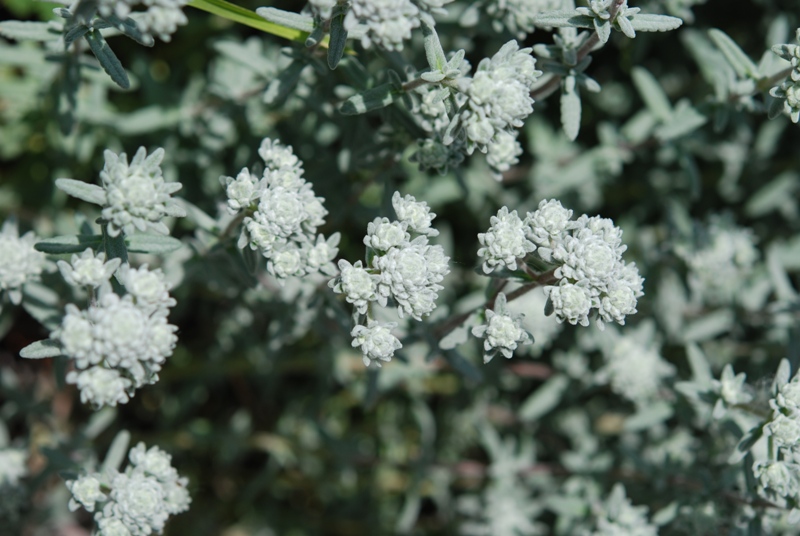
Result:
<point x="337" y="42"/>
<point x="42" y="349"/>
<point x="646" y="22"/>
<point x="28" y="30"/>
<point x="372" y="99"/>
<point x="570" y="108"/>
<point x="745" y="444"/>
<point x="82" y="190"/>
<point x="155" y="244"/>
<point x="740" y="62"/>
<point x="649" y="416"/>
<point x="544" y="399"/>
<point x="563" y="19"/>
<point x="651" y="92"/>
<point x="288" y="19"/>
<point x="74" y="34"/>
<point x="685" y="120"/>
<point x="117" y="452"/>
<point x="128" y="28"/>
<point x="433" y="49"/>
<point x="108" y="60"/>
<point x="279" y="89"/>
<point x="59" y="245"/>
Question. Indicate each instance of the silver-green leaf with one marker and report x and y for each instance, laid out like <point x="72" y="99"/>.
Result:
<point x="372" y="99"/>
<point x="90" y="193"/>
<point x="108" y="60"/>
<point x="740" y="62"/>
<point x="290" y="19"/>
<point x="42" y="349"/>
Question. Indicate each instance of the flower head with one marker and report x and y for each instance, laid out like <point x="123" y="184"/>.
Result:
<point x="503" y="331"/>
<point x="88" y="269"/>
<point x="136" y="195"/>
<point x="20" y="263"/>
<point x="376" y="341"/>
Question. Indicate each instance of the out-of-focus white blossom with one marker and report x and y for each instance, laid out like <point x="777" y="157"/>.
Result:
<point x="375" y="341"/>
<point x="720" y="265"/>
<point x="20" y="263"/>
<point x="85" y="492"/>
<point x="161" y="18"/>
<point x="88" y="269"/>
<point x="504" y="242"/>
<point x="388" y="23"/>
<point x="12" y="466"/>
<point x="503" y="331"/>
<point x="136" y="195"/>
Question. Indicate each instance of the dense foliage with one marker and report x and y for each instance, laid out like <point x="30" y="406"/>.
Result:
<point x="350" y="267"/>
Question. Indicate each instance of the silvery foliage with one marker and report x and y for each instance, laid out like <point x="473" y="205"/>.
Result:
<point x="135" y="502"/>
<point x="281" y="214"/>
<point x="616" y="515"/>
<point x="506" y="506"/>
<point x="585" y="256"/>
<point x="503" y="331"/>
<point x="403" y="270"/>
<point x="20" y="263"/>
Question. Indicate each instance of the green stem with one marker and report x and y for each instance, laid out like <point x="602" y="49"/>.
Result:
<point x="235" y="13"/>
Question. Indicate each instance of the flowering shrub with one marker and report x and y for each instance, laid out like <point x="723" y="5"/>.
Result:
<point x="338" y="215"/>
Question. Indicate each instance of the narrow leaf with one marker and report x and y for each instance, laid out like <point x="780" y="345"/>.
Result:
<point x="372" y="99"/>
<point x="646" y="22"/>
<point x="235" y="13"/>
<point x="117" y="452"/>
<point x="317" y="35"/>
<point x="82" y="190"/>
<point x="279" y="89"/>
<point x="782" y="376"/>
<point x="684" y="120"/>
<point x="741" y="63"/>
<point x="74" y="34"/>
<point x="287" y="19"/>
<point x="337" y="42"/>
<point x="114" y="246"/>
<point x="570" y="108"/>
<point x="156" y="244"/>
<point x="563" y="19"/>
<point x="108" y="60"/>
<point x="28" y="30"/>
<point x="59" y="245"/>
<point x="433" y="48"/>
<point x="544" y="399"/>
<point x="128" y="28"/>
<point x="42" y="349"/>
<point x="745" y="444"/>
<point x="651" y="92"/>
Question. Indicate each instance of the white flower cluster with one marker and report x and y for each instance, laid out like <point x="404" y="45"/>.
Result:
<point x="498" y="102"/>
<point x="136" y="502"/>
<point x="88" y="269"/>
<point x="504" y="242"/>
<point x="136" y="196"/>
<point x="20" y="263"/>
<point x="780" y="478"/>
<point x="587" y="252"/>
<point x="119" y="343"/>
<point x="720" y="266"/>
<point x="282" y="215"/>
<point x="12" y="466"/>
<point x="789" y="90"/>
<point x="389" y="22"/>
<point x="503" y="331"/>
<point x="618" y="516"/>
<point x="161" y="18"/>
<point x="407" y="271"/>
